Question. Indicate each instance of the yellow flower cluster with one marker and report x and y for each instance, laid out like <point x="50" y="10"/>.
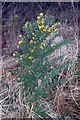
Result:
<point x="40" y="21"/>
<point x="20" y="42"/>
<point x="51" y="29"/>
<point x="44" y="28"/>
<point x="33" y="41"/>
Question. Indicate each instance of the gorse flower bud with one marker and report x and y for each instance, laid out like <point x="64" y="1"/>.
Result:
<point x="14" y="54"/>
<point x="41" y="14"/>
<point x="17" y="46"/>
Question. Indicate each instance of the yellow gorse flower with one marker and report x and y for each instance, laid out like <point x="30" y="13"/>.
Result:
<point x="38" y="17"/>
<point x="49" y="30"/>
<point x="38" y="22"/>
<point x="42" y="26"/>
<point x="42" y="20"/>
<point x="41" y="46"/>
<point x="44" y="30"/>
<point x="31" y="41"/>
<point x="20" y="42"/>
<point x="39" y="27"/>
<point x="35" y="42"/>
<point x="20" y="57"/>
<point x="58" y="23"/>
<point x="29" y="58"/>
<point x="33" y="38"/>
<point x="44" y="44"/>
<point x="31" y="50"/>
<point x="32" y="33"/>
<point x="52" y="26"/>
<point x="41" y="43"/>
<point x="46" y="27"/>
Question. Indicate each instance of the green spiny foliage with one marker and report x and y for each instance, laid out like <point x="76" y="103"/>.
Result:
<point x="37" y="70"/>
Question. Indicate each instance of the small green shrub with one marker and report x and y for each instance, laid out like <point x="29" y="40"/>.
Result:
<point x="37" y="70"/>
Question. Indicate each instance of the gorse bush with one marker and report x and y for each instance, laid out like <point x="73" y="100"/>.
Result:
<point x="37" y="70"/>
